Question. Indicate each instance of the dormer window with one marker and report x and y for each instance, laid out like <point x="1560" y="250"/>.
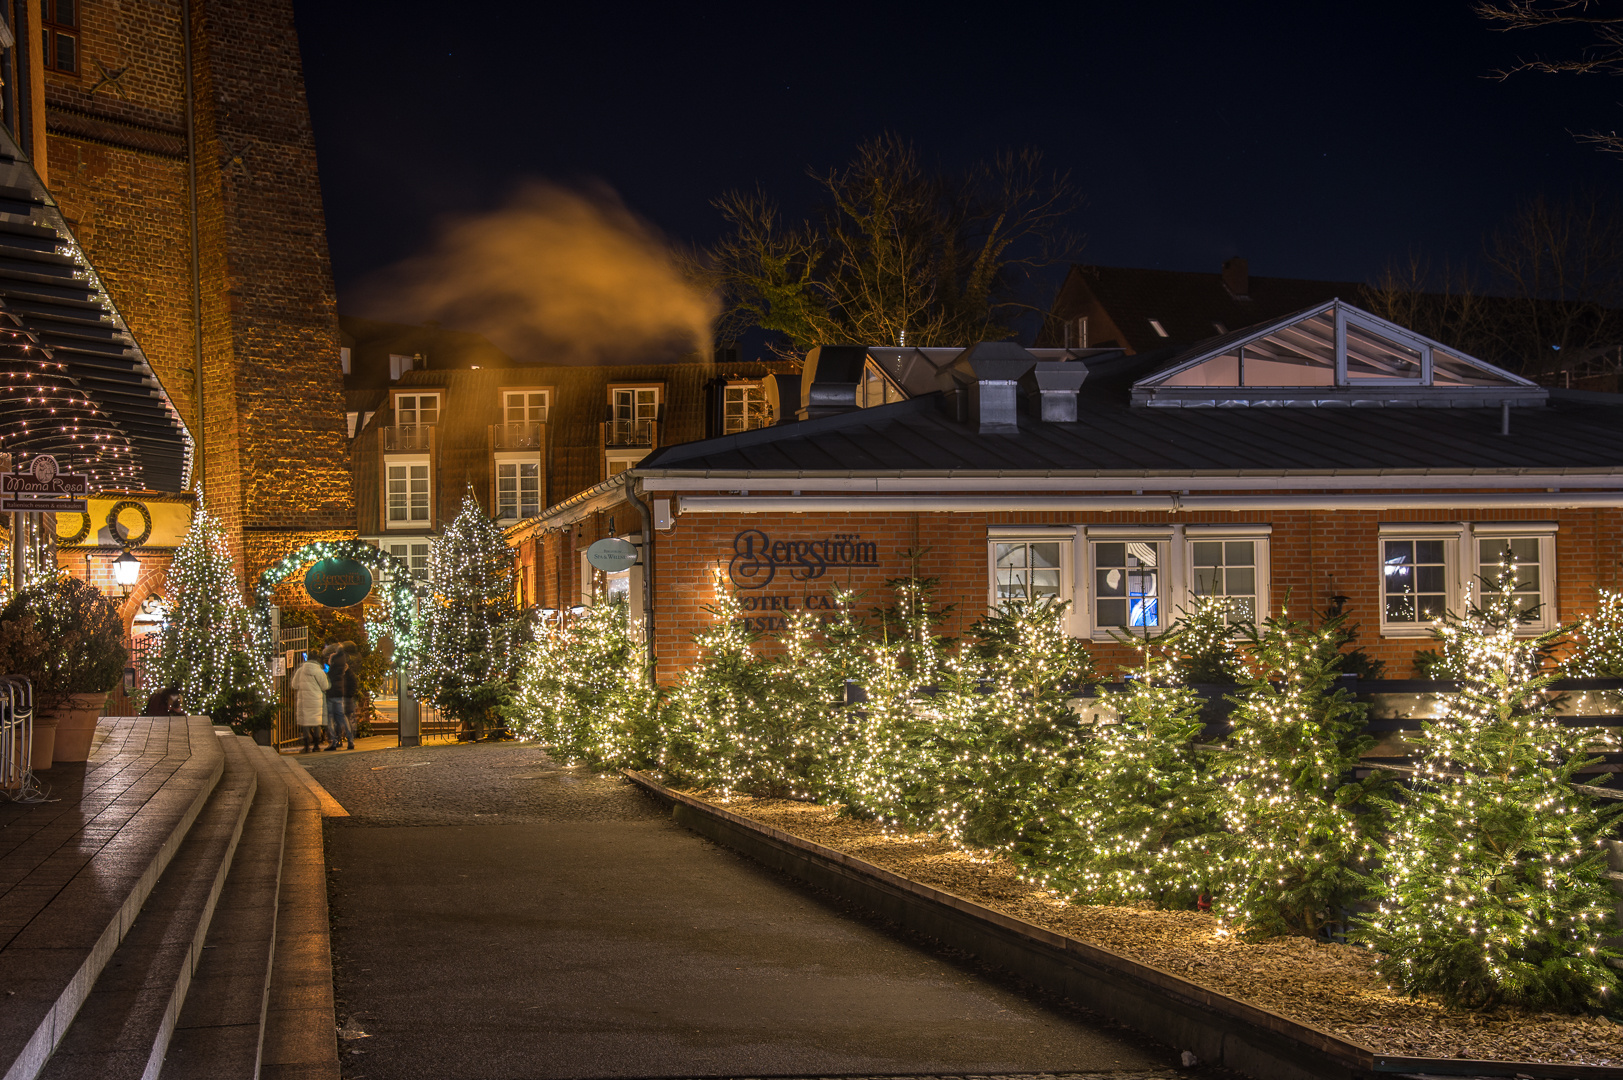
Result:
<point x="413" y="409"/>
<point x="1335" y="353"/>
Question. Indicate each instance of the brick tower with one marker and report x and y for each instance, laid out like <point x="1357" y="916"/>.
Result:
<point x="146" y="180"/>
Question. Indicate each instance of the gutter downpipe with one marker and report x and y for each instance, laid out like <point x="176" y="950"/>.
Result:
<point x="634" y="493"/>
<point x="197" y="270"/>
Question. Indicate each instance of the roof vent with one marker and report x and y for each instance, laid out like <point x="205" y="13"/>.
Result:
<point x="829" y="380"/>
<point x="1050" y="390"/>
<point x="1237" y="278"/>
<point x="982" y="385"/>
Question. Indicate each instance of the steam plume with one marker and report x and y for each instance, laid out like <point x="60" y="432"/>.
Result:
<point x="555" y="276"/>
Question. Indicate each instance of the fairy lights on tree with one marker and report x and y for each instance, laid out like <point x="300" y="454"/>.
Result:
<point x="472" y="628"/>
<point x="206" y="646"/>
<point x="1493" y="887"/>
<point x="1295" y="823"/>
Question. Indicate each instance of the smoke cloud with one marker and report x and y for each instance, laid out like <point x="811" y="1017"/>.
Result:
<point x="555" y="276"/>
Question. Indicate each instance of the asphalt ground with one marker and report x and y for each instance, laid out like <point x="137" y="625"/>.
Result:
<point x="496" y="915"/>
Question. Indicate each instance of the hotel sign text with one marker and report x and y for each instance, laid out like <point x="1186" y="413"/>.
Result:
<point x="757" y="557"/>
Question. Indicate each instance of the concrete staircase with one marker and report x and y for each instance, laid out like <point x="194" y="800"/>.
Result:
<point x="168" y="917"/>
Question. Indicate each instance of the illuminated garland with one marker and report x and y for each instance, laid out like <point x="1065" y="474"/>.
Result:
<point x="396" y="592"/>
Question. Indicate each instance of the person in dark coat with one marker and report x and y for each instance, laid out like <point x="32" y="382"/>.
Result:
<point x="337" y="722"/>
<point x="165" y="702"/>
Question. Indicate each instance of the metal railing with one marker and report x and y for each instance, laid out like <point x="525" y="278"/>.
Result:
<point x="631" y="433"/>
<point x="16" y="735"/>
<point x="295" y="641"/>
<point x="408" y="437"/>
<point x="519" y="435"/>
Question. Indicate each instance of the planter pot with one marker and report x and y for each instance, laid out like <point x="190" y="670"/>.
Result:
<point x="44" y="738"/>
<point x="263" y="736"/>
<point x="76" y="726"/>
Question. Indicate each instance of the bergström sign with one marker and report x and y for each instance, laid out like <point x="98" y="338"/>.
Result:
<point x="757" y="557"/>
<point x="338" y="583"/>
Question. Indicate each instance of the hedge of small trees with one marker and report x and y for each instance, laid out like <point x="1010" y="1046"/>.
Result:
<point x="1481" y="878"/>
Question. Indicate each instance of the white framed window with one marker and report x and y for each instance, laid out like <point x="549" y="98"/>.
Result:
<point x="618" y="461"/>
<point x="744" y="407"/>
<point x="413" y="409"/>
<point x="1531" y="547"/>
<point x="399" y="365"/>
<point x="518" y="488"/>
<point x="407" y="495"/>
<point x="633" y="414"/>
<point x="411" y="552"/>
<point x="1419" y="571"/>
<point x="1127" y="584"/>
<point x="343" y="359"/>
<point x="525" y="406"/>
<point x="1230" y="561"/>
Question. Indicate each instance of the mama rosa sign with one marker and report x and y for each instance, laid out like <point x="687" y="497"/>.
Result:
<point x="757" y="557"/>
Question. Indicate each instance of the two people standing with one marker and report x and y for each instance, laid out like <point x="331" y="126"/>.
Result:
<point x="324" y="698"/>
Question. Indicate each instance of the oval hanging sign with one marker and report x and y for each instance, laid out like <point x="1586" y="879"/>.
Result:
<point x="612" y="555"/>
<point x="338" y="582"/>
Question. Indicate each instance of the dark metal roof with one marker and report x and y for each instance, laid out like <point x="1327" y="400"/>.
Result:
<point x="1574" y="431"/>
<point x="73" y="380"/>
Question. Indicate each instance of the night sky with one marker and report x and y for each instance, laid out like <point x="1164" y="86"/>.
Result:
<point x="1318" y="140"/>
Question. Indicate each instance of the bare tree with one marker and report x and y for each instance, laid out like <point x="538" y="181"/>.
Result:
<point x="1600" y="54"/>
<point x="900" y="254"/>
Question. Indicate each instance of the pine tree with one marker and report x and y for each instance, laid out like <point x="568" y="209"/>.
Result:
<point x="472" y="628"/>
<point x="722" y="730"/>
<point x="207" y="644"/>
<point x="1493" y="888"/>
<point x="1296" y="824"/>
<point x="584" y="691"/>
<point x="1141" y="790"/>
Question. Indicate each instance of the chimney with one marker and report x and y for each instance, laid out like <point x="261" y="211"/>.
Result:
<point x="1050" y="390"/>
<point x="982" y="385"/>
<point x="829" y="380"/>
<point x="1237" y="278"/>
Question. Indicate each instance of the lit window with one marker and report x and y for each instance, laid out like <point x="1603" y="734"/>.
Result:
<point x="744" y="408"/>
<point x="1226" y="568"/>
<point x="1028" y="570"/>
<point x="1414" y="580"/>
<point x="415" y="556"/>
<point x="59" y="25"/>
<point x="1160" y="331"/>
<point x="518" y="489"/>
<point x="408" y="494"/>
<point x="633" y="416"/>
<point x="1127" y="584"/>
<point x="524" y="406"/>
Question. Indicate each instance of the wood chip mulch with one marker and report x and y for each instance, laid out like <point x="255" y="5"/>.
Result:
<point x="1331" y="987"/>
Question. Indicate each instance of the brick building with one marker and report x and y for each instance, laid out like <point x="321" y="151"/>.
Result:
<point x="1327" y="454"/>
<point x="175" y="137"/>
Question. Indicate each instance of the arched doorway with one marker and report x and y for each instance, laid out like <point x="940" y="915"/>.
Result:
<point x="392" y="584"/>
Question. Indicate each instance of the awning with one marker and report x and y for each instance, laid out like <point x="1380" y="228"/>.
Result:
<point x="73" y="380"/>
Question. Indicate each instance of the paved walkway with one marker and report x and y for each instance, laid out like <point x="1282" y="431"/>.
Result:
<point x="498" y="916"/>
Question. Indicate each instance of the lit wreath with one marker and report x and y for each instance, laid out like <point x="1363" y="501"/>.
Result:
<point x="112" y="522"/>
<point x="398" y="599"/>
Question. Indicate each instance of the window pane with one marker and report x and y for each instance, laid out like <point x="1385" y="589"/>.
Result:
<point x="65" y="12"/>
<point x="1044" y="554"/>
<point x="1207" y="553"/>
<point x="1110" y="554"/>
<point x="1208" y="581"/>
<point x="1011" y="554"/>
<point x="1240" y="553"/>
<point x="1112" y="582"/>
<point x="1428" y="551"/>
<point x="1415" y="580"/>
<point x="66" y="52"/>
<point x="1449" y="370"/>
<point x="1112" y="613"/>
<point x="1303" y="354"/>
<point x="1218" y="371"/>
<point x="1371" y="357"/>
<point x="1240" y="581"/>
<point x="1429" y="579"/>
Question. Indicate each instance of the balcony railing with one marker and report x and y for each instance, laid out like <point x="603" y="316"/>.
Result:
<point x="631" y="433"/>
<point x="518" y="436"/>
<point x="408" y="437"/>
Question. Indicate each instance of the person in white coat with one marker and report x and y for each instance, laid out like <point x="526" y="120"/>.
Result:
<point x="309" y="689"/>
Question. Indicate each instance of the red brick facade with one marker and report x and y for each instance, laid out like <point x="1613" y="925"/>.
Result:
<point x="274" y="458"/>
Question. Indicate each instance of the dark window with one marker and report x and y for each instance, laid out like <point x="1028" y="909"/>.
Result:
<point x="59" y="27"/>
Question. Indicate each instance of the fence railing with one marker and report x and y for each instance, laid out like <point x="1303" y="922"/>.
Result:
<point x="408" y="436"/>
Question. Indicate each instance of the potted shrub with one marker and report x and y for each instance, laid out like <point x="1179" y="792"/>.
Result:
<point x="65" y="637"/>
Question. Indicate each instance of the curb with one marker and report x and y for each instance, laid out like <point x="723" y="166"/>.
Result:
<point x="1217" y="1028"/>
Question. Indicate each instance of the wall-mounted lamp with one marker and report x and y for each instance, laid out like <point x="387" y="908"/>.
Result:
<point x="126" y="571"/>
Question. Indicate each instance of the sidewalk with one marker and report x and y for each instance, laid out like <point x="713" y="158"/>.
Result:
<point x="496" y="915"/>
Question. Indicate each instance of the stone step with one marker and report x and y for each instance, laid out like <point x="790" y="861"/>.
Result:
<point x="123" y="1029"/>
<point x="75" y="872"/>
<point x="221" y="1030"/>
<point x="301" y="1030"/>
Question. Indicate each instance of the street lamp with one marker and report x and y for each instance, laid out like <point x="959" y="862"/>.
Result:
<point x="126" y="570"/>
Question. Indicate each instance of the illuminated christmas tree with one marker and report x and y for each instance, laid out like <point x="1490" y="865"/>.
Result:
<point x="206" y="646"/>
<point x="1140" y="791"/>
<point x="1295" y="822"/>
<point x="472" y="629"/>
<point x="1494" y="887"/>
<point x="584" y="691"/>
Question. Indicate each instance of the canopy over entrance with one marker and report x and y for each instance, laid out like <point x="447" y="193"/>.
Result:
<point x="73" y="380"/>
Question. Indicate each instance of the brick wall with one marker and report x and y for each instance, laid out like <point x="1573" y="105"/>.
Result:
<point x="276" y="463"/>
<point x="1313" y="555"/>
